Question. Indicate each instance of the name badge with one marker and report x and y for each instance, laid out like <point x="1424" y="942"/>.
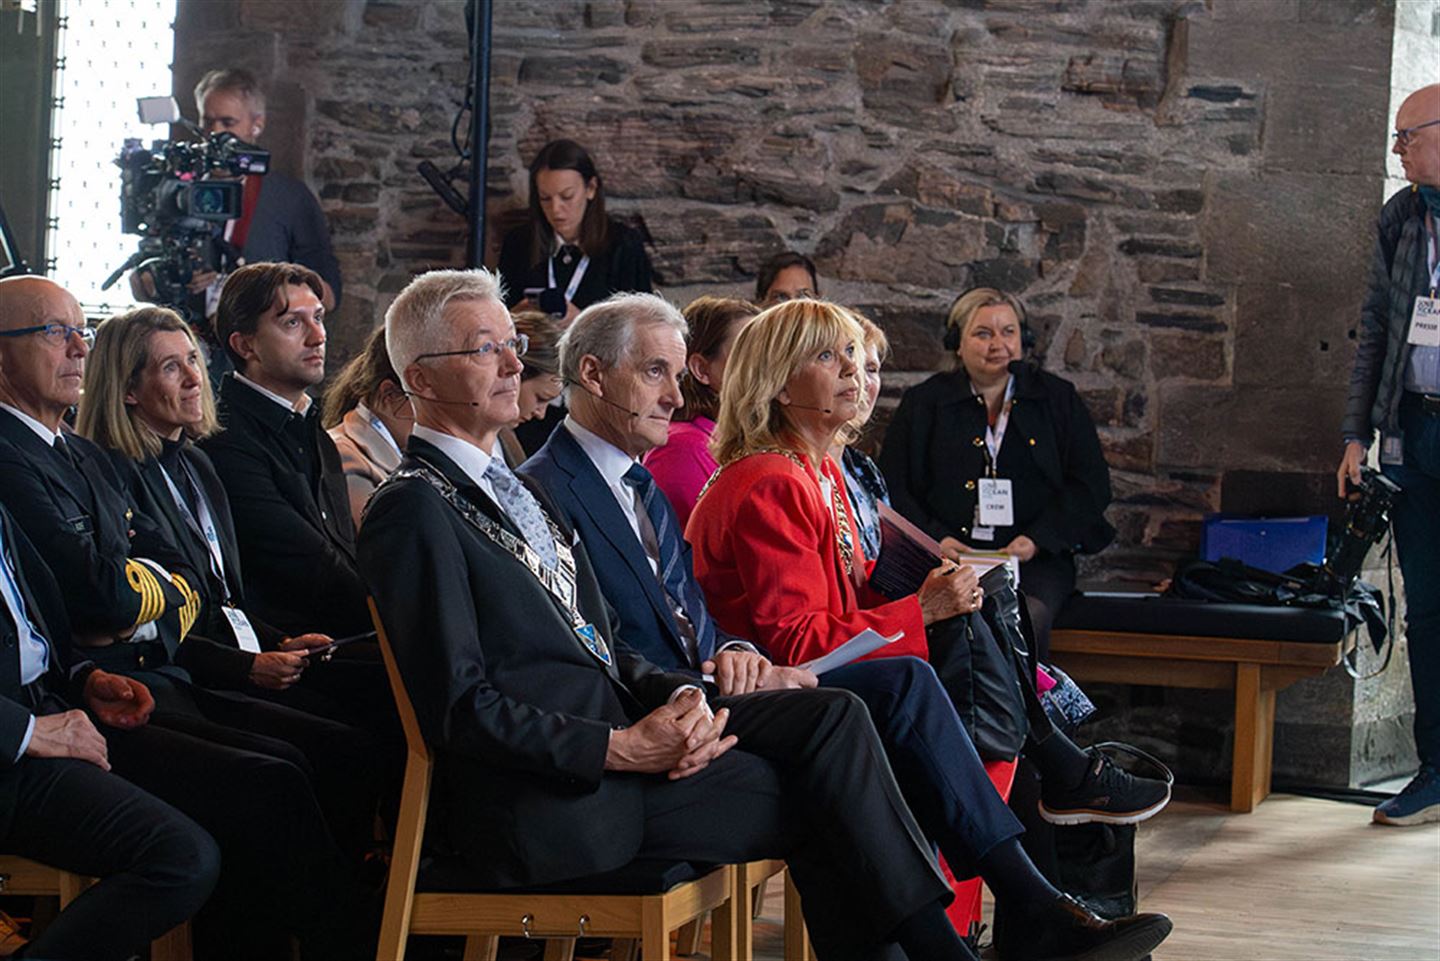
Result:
<point x="1392" y="448"/>
<point x="978" y="531"/>
<point x="245" y="635"/>
<point x="1425" y="322"/>
<point x="997" y="502"/>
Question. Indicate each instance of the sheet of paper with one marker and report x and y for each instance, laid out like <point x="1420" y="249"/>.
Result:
<point x="857" y="647"/>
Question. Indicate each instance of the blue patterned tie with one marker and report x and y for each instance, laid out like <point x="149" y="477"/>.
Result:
<point x="673" y="573"/>
<point x="517" y="501"/>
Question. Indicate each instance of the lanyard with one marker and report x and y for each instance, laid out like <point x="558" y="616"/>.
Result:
<point x="995" y="436"/>
<point x="1434" y="259"/>
<point x="204" y="525"/>
<point x="575" y="278"/>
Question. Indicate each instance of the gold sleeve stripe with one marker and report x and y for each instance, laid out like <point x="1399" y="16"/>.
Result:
<point x="142" y="581"/>
<point x="190" y="610"/>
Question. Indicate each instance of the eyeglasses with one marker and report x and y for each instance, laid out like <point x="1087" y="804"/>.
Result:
<point x="55" y="334"/>
<point x="491" y="348"/>
<point x="1403" y="137"/>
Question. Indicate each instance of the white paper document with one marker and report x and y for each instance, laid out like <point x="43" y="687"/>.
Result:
<point x="852" y="650"/>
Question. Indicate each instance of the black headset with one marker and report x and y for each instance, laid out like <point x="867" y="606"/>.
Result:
<point x="951" y="341"/>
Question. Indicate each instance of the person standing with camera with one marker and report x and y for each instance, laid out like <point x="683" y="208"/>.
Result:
<point x="1395" y="389"/>
<point x="569" y="254"/>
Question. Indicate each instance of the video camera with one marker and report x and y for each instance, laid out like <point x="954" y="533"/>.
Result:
<point x="168" y="200"/>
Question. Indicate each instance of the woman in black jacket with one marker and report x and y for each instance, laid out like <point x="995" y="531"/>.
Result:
<point x="570" y="254"/>
<point x="997" y="423"/>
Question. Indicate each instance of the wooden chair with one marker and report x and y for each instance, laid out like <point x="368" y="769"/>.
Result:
<point x="22" y="876"/>
<point x="484" y="917"/>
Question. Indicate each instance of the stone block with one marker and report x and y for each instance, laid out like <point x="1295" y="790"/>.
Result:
<point x="905" y="82"/>
<point x="900" y="242"/>
<point x="697" y="244"/>
<point x="1268" y="52"/>
<point x="1273" y="226"/>
<point x="1187" y="356"/>
<point x="568" y="70"/>
<point x="1326" y="128"/>
<point x="681" y="54"/>
<point x="1152" y="270"/>
<point x="1255" y="11"/>
<point x="320" y="16"/>
<point x="1308" y="324"/>
<point x="1348" y="13"/>
<point x="914" y="333"/>
<point x="371" y="116"/>
<point x="1254" y="428"/>
<point x="392" y="16"/>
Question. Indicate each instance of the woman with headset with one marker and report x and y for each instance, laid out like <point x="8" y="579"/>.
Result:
<point x="999" y="455"/>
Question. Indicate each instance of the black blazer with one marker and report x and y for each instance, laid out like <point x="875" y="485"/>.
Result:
<point x="934" y="454"/>
<point x="83" y="522"/>
<point x="517" y="711"/>
<point x="623" y="268"/>
<point x="295" y="534"/>
<point x="211" y="653"/>
<point x="46" y="608"/>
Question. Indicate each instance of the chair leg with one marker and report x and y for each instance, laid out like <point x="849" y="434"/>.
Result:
<point x="725" y="944"/>
<point x="481" y="947"/>
<point x="687" y="942"/>
<point x="559" y="949"/>
<point x="654" y="931"/>
<point x="797" y="939"/>
<point x="173" y="945"/>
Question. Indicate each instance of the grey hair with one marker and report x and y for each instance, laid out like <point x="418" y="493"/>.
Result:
<point x="235" y="80"/>
<point x="606" y="330"/>
<point x="414" y="322"/>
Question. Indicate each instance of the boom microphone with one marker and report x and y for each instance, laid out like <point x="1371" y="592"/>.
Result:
<point x="437" y="400"/>
<point x="603" y="399"/>
<point x="823" y="410"/>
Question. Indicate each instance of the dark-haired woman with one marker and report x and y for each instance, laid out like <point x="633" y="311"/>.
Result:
<point x="683" y="465"/>
<point x="540" y="382"/>
<point x="570" y="254"/>
<point x="786" y="276"/>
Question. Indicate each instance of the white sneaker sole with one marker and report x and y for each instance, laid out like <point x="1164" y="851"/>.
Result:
<point x="1423" y="816"/>
<point x="1087" y="816"/>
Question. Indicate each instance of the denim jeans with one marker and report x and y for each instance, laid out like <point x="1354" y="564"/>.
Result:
<point x="1416" y="516"/>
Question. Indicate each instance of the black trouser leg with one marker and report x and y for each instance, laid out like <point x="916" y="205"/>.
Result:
<point x="278" y="853"/>
<point x="861" y="863"/>
<point x="156" y="866"/>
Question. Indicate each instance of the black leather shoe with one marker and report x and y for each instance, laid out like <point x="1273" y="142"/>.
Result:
<point x="1066" y="930"/>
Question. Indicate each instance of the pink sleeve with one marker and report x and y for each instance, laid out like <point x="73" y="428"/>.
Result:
<point x="681" y="469"/>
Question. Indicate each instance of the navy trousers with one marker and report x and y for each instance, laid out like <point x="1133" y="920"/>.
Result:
<point x="935" y="763"/>
<point x="1416" y="516"/>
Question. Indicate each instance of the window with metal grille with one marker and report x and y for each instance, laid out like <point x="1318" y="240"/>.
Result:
<point x="108" y="53"/>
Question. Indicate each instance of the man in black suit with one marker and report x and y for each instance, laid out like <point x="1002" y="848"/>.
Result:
<point x="61" y="805"/>
<point x="282" y="472"/>
<point x="130" y="600"/>
<point x="561" y="752"/>
<point x="623" y="359"/>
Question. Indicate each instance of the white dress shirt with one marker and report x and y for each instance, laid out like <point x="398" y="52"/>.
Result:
<point x="300" y="406"/>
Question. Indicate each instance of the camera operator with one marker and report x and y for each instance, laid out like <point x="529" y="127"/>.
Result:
<point x="280" y="219"/>
<point x="1395" y="387"/>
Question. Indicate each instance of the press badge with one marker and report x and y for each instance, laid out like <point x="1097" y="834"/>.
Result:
<point x="1392" y="449"/>
<point x="245" y="635"/>
<point x="997" y="502"/>
<point x="1425" y="322"/>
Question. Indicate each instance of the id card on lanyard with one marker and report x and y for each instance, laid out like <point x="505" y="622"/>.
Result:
<point x="996" y="504"/>
<point x="575" y="278"/>
<point x="204" y="526"/>
<point x="1425" y="316"/>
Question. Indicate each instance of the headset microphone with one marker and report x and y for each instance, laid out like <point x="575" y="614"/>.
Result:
<point x="437" y="400"/>
<point x="823" y="410"/>
<point x="604" y="400"/>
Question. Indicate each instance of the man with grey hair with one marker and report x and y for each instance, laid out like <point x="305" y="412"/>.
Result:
<point x="280" y="219"/>
<point x="562" y="753"/>
<point x="624" y="359"/>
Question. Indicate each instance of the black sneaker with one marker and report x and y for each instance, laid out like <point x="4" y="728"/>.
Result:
<point x="1108" y="794"/>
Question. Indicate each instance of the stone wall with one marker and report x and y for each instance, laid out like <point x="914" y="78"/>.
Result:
<point x="1179" y="190"/>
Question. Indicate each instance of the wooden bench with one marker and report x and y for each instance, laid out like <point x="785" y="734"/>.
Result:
<point x="1254" y="669"/>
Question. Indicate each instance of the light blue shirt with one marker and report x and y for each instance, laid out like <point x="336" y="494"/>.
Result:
<point x="1422" y="370"/>
<point x="34" y="650"/>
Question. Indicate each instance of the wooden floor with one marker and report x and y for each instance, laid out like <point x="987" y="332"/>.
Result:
<point x="1298" y="879"/>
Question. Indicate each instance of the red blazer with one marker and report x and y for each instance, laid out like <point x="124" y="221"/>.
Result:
<point x="765" y="555"/>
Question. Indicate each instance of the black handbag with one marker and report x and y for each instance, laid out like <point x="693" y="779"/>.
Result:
<point x="980" y="676"/>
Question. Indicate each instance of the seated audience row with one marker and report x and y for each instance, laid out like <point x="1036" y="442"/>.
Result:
<point x="549" y="640"/>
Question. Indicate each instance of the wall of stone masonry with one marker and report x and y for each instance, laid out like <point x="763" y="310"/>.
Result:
<point x="1181" y="191"/>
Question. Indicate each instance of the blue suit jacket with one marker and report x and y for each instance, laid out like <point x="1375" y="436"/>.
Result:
<point x="576" y="488"/>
